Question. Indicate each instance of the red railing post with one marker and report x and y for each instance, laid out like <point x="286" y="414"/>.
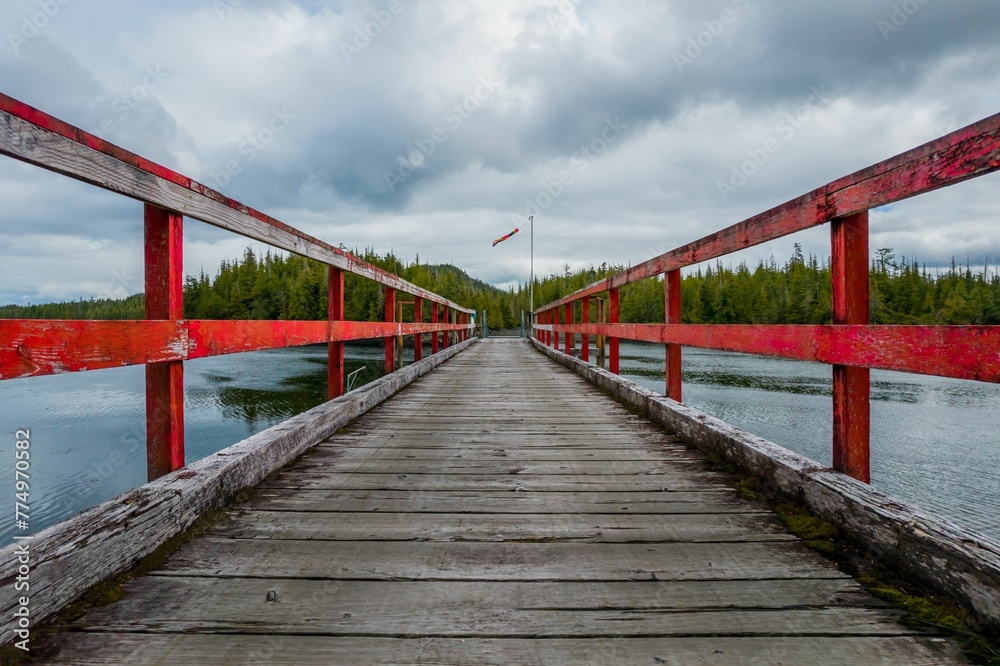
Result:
<point x="164" y="274"/>
<point x="418" y="339"/>
<point x="549" y="335"/>
<point x="335" y="312"/>
<point x="435" y="338"/>
<point x="851" y="385"/>
<point x="554" y="316"/>
<point x="584" y="338"/>
<point x="614" y="316"/>
<point x="447" y="334"/>
<point x="672" y="287"/>
<point x="390" y="342"/>
<point x="568" y="315"/>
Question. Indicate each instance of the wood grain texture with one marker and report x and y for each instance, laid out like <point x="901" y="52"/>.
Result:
<point x="961" y="352"/>
<point x="108" y="539"/>
<point x="102" y="649"/>
<point x="621" y="527"/>
<point x="31" y="348"/>
<point x="956" y="562"/>
<point x="499" y="502"/>
<point x="395" y="545"/>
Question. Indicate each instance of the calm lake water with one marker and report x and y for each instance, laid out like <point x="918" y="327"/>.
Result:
<point x="934" y="441"/>
<point x="88" y="428"/>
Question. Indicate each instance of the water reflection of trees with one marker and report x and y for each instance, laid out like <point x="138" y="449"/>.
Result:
<point x="293" y="395"/>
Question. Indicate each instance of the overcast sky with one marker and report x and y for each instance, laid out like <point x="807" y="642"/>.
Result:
<point x="433" y="128"/>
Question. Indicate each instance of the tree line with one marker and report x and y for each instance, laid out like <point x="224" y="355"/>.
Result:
<point x="275" y="286"/>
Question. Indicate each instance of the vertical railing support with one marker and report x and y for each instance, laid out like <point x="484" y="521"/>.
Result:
<point x="164" y="275"/>
<point x="614" y="315"/>
<point x="554" y="316"/>
<point x="568" y="317"/>
<point x="672" y="288"/>
<point x="418" y="339"/>
<point x="390" y="341"/>
<point x="602" y="340"/>
<point x="399" y="338"/>
<point x="436" y="337"/>
<point x="335" y="312"/>
<point x="584" y="338"/>
<point x="851" y="385"/>
<point x="447" y="320"/>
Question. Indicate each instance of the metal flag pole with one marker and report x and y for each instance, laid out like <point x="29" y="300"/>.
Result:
<point x="531" y="287"/>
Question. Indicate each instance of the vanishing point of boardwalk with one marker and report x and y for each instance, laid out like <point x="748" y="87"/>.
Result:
<point x="498" y="511"/>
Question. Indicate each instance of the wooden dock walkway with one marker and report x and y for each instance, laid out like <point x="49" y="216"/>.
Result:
<point x="499" y="511"/>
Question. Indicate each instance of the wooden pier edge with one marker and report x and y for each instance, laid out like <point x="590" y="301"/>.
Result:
<point x="106" y="540"/>
<point x="954" y="561"/>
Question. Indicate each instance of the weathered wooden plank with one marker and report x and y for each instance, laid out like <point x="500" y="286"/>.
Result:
<point x="363" y="560"/>
<point x="341" y="451"/>
<point x="370" y="605"/>
<point x="639" y="571"/>
<point x="715" y="501"/>
<point x="70" y="557"/>
<point x="31" y="348"/>
<point x="511" y="482"/>
<point x="956" y="562"/>
<point x="190" y="605"/>
<point x="516" y="528"/>
<point x="499" y="467"/>
<point x="101" y="649"/>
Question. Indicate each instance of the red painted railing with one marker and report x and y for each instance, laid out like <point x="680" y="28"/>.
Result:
<point x="164" y="340"/>
<point x="850" y="345"/>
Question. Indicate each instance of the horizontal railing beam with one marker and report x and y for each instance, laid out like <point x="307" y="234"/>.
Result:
<point x="943" y="351"/>
<point x="964" y="154"/>
<point x="30" y="348"/>
<point x="37" y="138"/>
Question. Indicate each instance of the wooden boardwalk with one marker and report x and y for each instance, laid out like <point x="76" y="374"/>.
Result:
<point x="499" y="511"/>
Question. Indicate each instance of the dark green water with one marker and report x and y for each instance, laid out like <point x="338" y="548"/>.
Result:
<point x="934" y="440"/>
